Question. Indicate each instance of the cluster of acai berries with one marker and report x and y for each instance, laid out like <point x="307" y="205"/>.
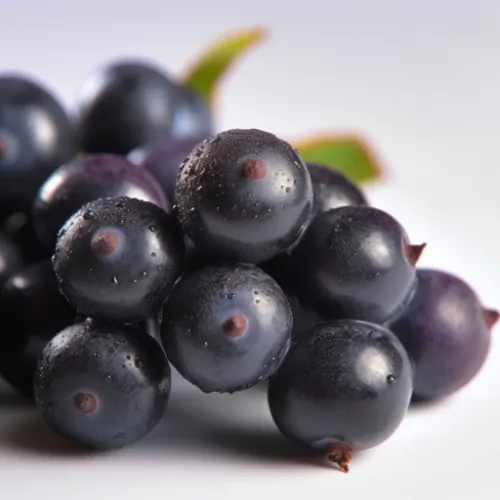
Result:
<point x="223" y="255"/>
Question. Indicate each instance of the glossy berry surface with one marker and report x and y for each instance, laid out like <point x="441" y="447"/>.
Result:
<point x="85" y="179"/>
<point x="446" y="332"/>
<point x="192" y="117"/>
<point x="124" y="105"/>
<point x="102" y="386"/>
<point x="355" y="262"/>
<point x="36" y="136"/>
<point x="10" y="258"/>
<point x="226" y="327"/>
<point x="344" y="386"/>
<point x="118" y="258"/>
<point x="163" y="159"/>
<point x="333" y="189"/>
<point x="32" y="311"/>
<point x="245" y="195"/>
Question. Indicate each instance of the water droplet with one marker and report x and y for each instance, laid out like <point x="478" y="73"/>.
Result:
<point x="199" y="188"/>
<point x="114" y="280"/>
<point x="112" y="349"/>
<point x="230" y="296"/>
<point x="108" y="376"/>
<point x="138" y="363"/>
<point x="88" y="215"/>
<point x="152" y="229"/>
<point x="120" y="204"/>
<point x="287" y="190"/>
<point x="256" y="292"/>
<point x="128" y="356"/>
<point x="144" y="273"/>
<point x="391" y="379"/>
<point x="257" y="301"/>
<point x="153" y="254"/>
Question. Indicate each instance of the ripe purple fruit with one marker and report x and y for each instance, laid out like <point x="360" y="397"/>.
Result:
<point x="102" y="386"/>
<point x="36" y="136"/>
<point x="118" y="259"/>
<point x="355" y="262"/>
<point x="226" y="327"/>
<point x="125" y="104"/>
<point x="244" y="195"/>
<point x="344" y="386"/>
<point x="446" y="332"/>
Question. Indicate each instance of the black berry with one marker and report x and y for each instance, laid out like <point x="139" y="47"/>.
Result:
<point x="345" y="386"/>
<point x="102" y="386"/>
<point x="355" y="262"/>
<point x="226" y="327"/>
<point x="446" y="332"/>
<point x="124" y="105"/>
<point x="118" y="258"/>
<point x="245" y="195"/>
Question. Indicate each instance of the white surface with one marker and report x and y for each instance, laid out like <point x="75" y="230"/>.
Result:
<point x="422" y="79"/>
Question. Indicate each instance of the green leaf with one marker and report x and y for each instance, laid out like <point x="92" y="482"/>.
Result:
<point x="204" y="76"/>
<point x="349" y="154"/>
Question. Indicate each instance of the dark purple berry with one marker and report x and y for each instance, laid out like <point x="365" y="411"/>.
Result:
<point x="124" y="105"/>
<point x="344" y="386"/>
<point x="102" y="386"/>
<point x="36" y="136"/>
<point x="333" y="189"/>
<point x="118" y="259"/>
<point x="226" y="327"/>
<point x="245" y="195"/>
<point x="85" y="179"/>
<point x="355" y="262"/>
<point x="446" y="332"/>
<point x="32" y="311"/>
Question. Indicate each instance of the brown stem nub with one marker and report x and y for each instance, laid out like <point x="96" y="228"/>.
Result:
<point x="341" y="455"/>
<point x="414" y="252"/>
<point x="491" y="316"/>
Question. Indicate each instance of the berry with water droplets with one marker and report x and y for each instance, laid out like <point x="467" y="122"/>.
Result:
<point x="226" y="327"/>
<point x="102" y="386"/>
<point x="244" y="195"/>
<point x="355" y="262"/>
<point x="118" y="259"/>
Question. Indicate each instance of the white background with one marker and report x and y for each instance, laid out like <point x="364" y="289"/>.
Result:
<point x="422" y="81"/>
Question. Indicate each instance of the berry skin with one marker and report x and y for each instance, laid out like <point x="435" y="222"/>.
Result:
<point x="163" y="159"/>
<point x="88" y="178"/>
<point x="36" y="136"/>
<point x="32" y="311"/>
<point x="102" y="386"/>
<point x="446" y="332"/>
<point x="10" y="258"/>
<point x="333" y="189"/>
<point x="118" y="258"/>
<point x="344" y="386"/>
<point x="192" y="117"/>
<point x="355" y="262"/>
<point x="244" y="195"/>
<point x="226" y="327"/>
<point x="124" y="105"/>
